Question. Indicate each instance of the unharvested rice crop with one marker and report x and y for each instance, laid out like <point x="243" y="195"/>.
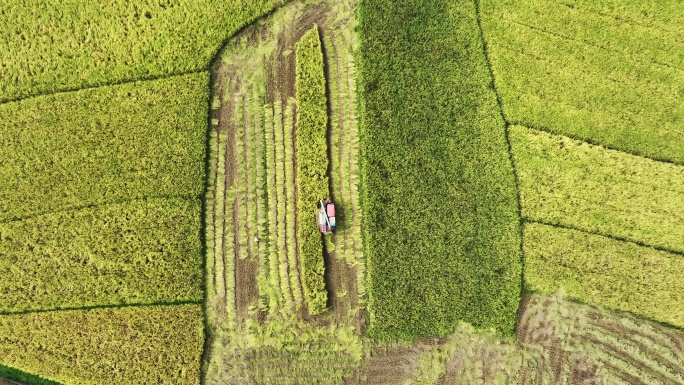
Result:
<point x="575" y="184"/>
<point x="608" y="72"/>
<point x="441" y="227"/>
<point x="58" y="45"/>
<point x="312" y="165"/>
<point x="131" y="345"/>
<point x="605" y="272"/>
<point x="141" y="251"/>
<point x="109" y="144"/>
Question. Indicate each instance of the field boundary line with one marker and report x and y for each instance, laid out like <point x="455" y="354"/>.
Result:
<point x="595" y="143"/>
<point x="113" y="306"/>
<point x="96" y="205"/>
<point x="613" y="237"/>
<point x="115" y="83"/>
<point x="511" y="158"/>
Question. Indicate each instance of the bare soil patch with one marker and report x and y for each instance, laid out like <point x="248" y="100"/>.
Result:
<point x="394" y="365"/>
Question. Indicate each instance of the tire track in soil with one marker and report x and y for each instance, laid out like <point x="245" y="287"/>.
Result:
<point x="615" y="331"/>
<point x="626" y="357"/>
<point x="533" y="328"/>
<point x="246" y="270"/>
<point x="393" y="365"/>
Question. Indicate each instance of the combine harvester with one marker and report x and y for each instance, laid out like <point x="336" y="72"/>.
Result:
<point x="326" y="216"/>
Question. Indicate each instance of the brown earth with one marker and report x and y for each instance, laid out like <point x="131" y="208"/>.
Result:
<point x="393" y="365"/>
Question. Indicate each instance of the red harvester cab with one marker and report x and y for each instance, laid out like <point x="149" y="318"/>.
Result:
<point x="326" y="216"/>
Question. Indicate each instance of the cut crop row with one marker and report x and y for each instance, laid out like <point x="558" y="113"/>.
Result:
<point x="103" y="145"/>
<point x="609" y="337"/>
<point x="554" y="72"/>
<point x="344" y="146"/>
<point x="131" y="345"/>
<point x="275" y="169"/>
<point x="290" y="208"/>
<point x="568" y="182"/>
<point x="312" y="165"/>
<point x="142" y="251"/>
<point x="70" y="45"/>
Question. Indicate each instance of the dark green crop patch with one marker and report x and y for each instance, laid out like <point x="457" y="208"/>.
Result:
<point x="441" y="223"/>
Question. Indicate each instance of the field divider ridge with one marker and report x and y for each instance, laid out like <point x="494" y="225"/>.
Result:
<point x="112" y="306"/>
<point x="116" y="83"/>
<point x="613" y="237"/>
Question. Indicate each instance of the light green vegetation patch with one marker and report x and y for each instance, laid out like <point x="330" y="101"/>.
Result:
<point x="102" y="145"/>
<point x="58" y="45"/>
<point x="605" y="272"/>
<point x="133" y="345"/>
<point x="567" y="182"/>
<point x="608" y="72"/>
<point x="136" y="252"/>
<point x="312" y="165"/>
<point x="441" y="224"/>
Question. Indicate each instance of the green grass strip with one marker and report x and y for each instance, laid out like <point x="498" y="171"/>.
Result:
<point x="102" y="145"/>
<point x="571" y="183"/>
<point x="605" y="272"/>
<point x="141" y="251"/>
<point x="312" y="164"/>
<point x="132" y="345"/>
<point x="69" y="44"/>
<point x="440" y="220"/>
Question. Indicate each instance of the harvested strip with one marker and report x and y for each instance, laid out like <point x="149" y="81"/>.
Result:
<point x="285" y="201"/>
<point x="107" y="346"/>
<point x="605" y="272"/>
<point x="290" y="186"/>
<point x="631" y="349"/>
<point x="568" y="182"/>
<point x="638" y="355"/>
<point x="441" y="224"/>
<point x="141" y="251"/>
<point x="103" y="145"/>
<point x="275" y="187"/>
<point x="312" y="165"/>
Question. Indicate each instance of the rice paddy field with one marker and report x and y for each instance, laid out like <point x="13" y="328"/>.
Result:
<point x="508" y="178"/>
